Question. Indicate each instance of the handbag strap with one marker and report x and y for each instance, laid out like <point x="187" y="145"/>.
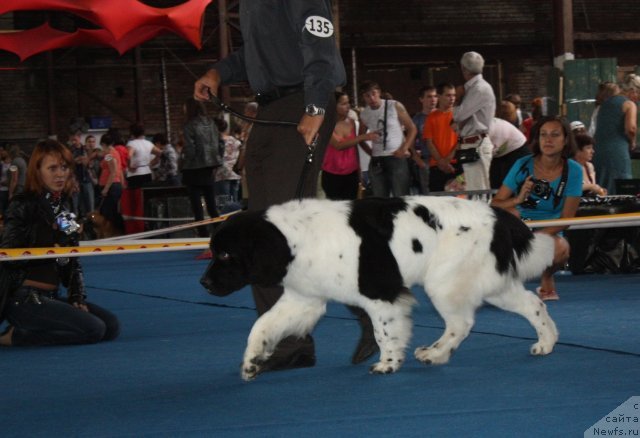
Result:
<point x="384" y="127"/>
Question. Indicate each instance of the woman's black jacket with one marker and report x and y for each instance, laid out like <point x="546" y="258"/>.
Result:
<point x="26" y="212"/>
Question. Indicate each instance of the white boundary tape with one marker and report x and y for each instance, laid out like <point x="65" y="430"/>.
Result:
<point x="168" y="230"/>
<point x="609" y="221"/>
<point x="158" y="219"/>
<point x="133" y="243"/>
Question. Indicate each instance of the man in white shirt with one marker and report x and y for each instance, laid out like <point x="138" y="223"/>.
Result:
<point x="473" y="119"/>
<point x="389" y="168"/>
<point x="509" y="145"/>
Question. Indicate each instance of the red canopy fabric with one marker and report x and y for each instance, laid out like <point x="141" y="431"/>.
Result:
<point x="124" y="24"/>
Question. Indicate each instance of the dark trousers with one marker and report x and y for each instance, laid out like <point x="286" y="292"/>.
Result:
<point x="340" y="187"/>
<point x="275" y="157"/>
<point x="196" y="192"/>
<point x="40" y="318"/>
<point x="438" y="179"/>
<point x="500" y="166"/>
<point x="109" y="206"/>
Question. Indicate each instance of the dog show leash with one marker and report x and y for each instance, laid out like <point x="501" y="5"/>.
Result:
<point x="311" y="148"/>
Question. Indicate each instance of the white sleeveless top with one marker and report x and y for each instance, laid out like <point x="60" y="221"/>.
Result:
<point x="374" y="120"/>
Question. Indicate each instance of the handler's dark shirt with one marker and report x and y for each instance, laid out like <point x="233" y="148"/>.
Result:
<point x="286" y="43"/>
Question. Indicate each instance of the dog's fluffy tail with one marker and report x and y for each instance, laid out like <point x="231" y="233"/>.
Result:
<point x="539" y="257"/>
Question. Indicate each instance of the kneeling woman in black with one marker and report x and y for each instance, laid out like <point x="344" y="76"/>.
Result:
<point x="29" y="298"/>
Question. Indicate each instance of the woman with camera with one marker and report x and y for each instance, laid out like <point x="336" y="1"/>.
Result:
<point x="546" y="185"/>
<point x="29" y="297"/>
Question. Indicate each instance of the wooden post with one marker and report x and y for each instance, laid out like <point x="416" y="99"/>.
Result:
<point x="563" y="32"/>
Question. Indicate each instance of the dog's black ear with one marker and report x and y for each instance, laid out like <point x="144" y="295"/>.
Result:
<point x="271" y="255"/>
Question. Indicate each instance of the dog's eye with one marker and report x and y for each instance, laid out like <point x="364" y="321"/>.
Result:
<point x="223" y="256"/>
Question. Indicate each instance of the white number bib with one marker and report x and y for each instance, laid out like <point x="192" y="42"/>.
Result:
<point x="319" y="26"/>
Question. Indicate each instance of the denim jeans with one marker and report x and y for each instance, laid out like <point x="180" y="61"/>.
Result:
<point x="389" y="176"/>
<point x="41" y="318"/>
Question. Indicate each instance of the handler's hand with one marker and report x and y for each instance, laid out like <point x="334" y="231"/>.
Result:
<point x="309" y="126"/>
<point x="207" y="85"/>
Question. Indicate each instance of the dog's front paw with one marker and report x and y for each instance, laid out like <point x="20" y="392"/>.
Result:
<point x="541" y="349"/>
<point x="383" y="368"/>
<point x="250" y="371"/>
<point x="432" y="355"/>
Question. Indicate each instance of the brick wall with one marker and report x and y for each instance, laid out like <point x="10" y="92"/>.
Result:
<point x="402" y="45"/>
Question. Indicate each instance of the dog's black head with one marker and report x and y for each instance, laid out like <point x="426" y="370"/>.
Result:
<point x="247" y="249"/>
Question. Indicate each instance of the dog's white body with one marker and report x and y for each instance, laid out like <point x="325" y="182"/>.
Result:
<point x="346" y="251"/>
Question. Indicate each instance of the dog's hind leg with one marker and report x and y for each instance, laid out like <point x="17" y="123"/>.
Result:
<point x="292" y="315"/>
<point x="519" y="300"/>
<point x="458" y="313"/>
<point x="392" y="328"/>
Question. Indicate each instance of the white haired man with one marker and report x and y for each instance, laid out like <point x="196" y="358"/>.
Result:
<point x="473" y="118"/>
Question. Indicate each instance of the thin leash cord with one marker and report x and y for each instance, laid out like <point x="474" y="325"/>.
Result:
<point x="311" y="148"/>
<point x="218" y="102"/>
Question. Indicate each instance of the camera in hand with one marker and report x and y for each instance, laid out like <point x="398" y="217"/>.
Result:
<point x="67" y="223"/>
<point x="541" y="188"/>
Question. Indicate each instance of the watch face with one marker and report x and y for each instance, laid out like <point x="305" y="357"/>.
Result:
<point x="313" y="110"/>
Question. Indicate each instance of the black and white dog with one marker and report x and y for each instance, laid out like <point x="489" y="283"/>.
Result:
<point x="367" y="253"/>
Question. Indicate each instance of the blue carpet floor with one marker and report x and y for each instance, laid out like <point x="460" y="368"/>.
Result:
<point x="175" y="369"/>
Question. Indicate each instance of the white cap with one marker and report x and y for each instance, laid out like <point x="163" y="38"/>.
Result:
<point x="577" y="125"/>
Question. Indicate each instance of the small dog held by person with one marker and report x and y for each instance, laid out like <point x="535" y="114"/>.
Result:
<point x="368" y="253"/>
<point x="102" y="228"/>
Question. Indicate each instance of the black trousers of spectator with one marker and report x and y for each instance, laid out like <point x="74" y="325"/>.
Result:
<point x="438" y="179"/>
<point x="500" y="166"/>
<point x="340" y="187"/>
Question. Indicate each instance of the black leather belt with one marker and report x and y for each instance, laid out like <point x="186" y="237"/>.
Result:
<point x="472" y="139"/>
<point x="277" y="93"/>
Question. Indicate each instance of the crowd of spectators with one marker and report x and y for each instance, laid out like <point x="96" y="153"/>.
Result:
<point x="461" y="139"/>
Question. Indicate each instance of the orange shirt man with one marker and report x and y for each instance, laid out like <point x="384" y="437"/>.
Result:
<point x="441" y="139"/>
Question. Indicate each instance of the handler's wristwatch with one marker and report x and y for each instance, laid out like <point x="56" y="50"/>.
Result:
<point x="313" y="110"/>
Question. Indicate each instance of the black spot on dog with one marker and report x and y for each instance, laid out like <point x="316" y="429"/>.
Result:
<point x="463" y="229"/>
<point x="429" y="218"/>
<point x="372" y="220"/>
<point x="417" y="246"/>
<point x="511" y="239"/>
